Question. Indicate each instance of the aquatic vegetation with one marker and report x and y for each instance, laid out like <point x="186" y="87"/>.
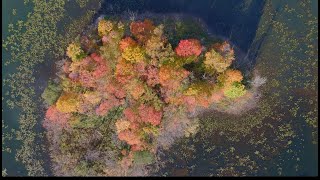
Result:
<point x="6" y="136"/>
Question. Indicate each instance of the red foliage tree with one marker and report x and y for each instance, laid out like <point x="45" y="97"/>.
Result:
<point x="131" y="137"/>
<point x="189" y="47"/>
<point x="73" y="76"/>
<point x="66" y="67"/>
<point x="56" y="117"/>
<point x="190" y="102"/>
<point x="101" y="68"/>
<point x="152" y="76"/>
<point x="131" y="115"/>
<point x="97" y="58"/>
<point x="86" y="78"/>
<point x="148" y="114"/>
<point x="115" y="89"/>
<point x="108" y="104"/>
<point x="144" y="114"/>
<point x="140" y="68"/>
<point x="100" y="71"/>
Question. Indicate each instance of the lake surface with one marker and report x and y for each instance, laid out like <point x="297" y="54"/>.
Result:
<point x="234" y="19"/>
<point x="10" y="117"/>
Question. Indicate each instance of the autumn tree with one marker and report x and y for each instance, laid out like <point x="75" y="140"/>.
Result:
<point x="124" y="71"/>
<point x="149" y="114"/>
<point x="127" y="42"/>
<point x="51" y="93"/>
<point x="143" y="157"/>
<point x="141" y="85"/>
<point x="219" y="58"/>
<point x="122" y="125"/>
<point x="142" y="30"/>
<point x="171" y="77"/>
<point x="189" y="47"/>
<point x="158" y="49"/>
<point x="104" y="27"/>
<point x="53" y="115"/>
<point x="228" y="77"/>
<point x="235" y="90"/>
<point x="68" y="102"/>
<point x="107" y="105"/>
<point x="129" y="136"/>
<point x="75" y="52"/>
<point x="133" y="54"/>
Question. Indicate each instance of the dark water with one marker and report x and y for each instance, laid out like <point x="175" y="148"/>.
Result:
<point x="224" y="18"/>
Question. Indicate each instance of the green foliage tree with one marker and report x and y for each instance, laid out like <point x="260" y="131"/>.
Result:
<point x="235" y="90"/>
<point x="51" y="93"/>
<point x="143" y="157"/>
<point x="82" y="169"/>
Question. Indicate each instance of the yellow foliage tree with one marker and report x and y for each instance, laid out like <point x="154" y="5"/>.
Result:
<point x="199" y="87"/>
<point x="75" y="52"/>
<point x="230" y="76"/>
<point x="92" y="97"/>
<point x="133" y="54"/>
<point x="104" y="27"/>
<point x="68" y="102"/>
<point x="215" y="62"/>
<point x="157" y="47"/>
<point x="219" y="58"/>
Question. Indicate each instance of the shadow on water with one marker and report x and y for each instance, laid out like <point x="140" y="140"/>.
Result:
<point x="229" y="19"/>
<point x="234" y="20"/>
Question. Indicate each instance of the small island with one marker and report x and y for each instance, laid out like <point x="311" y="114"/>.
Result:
<point x="123" y="91"/>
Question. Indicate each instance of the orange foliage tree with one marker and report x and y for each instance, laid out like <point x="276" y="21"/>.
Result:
<point x="127" y="42"/>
